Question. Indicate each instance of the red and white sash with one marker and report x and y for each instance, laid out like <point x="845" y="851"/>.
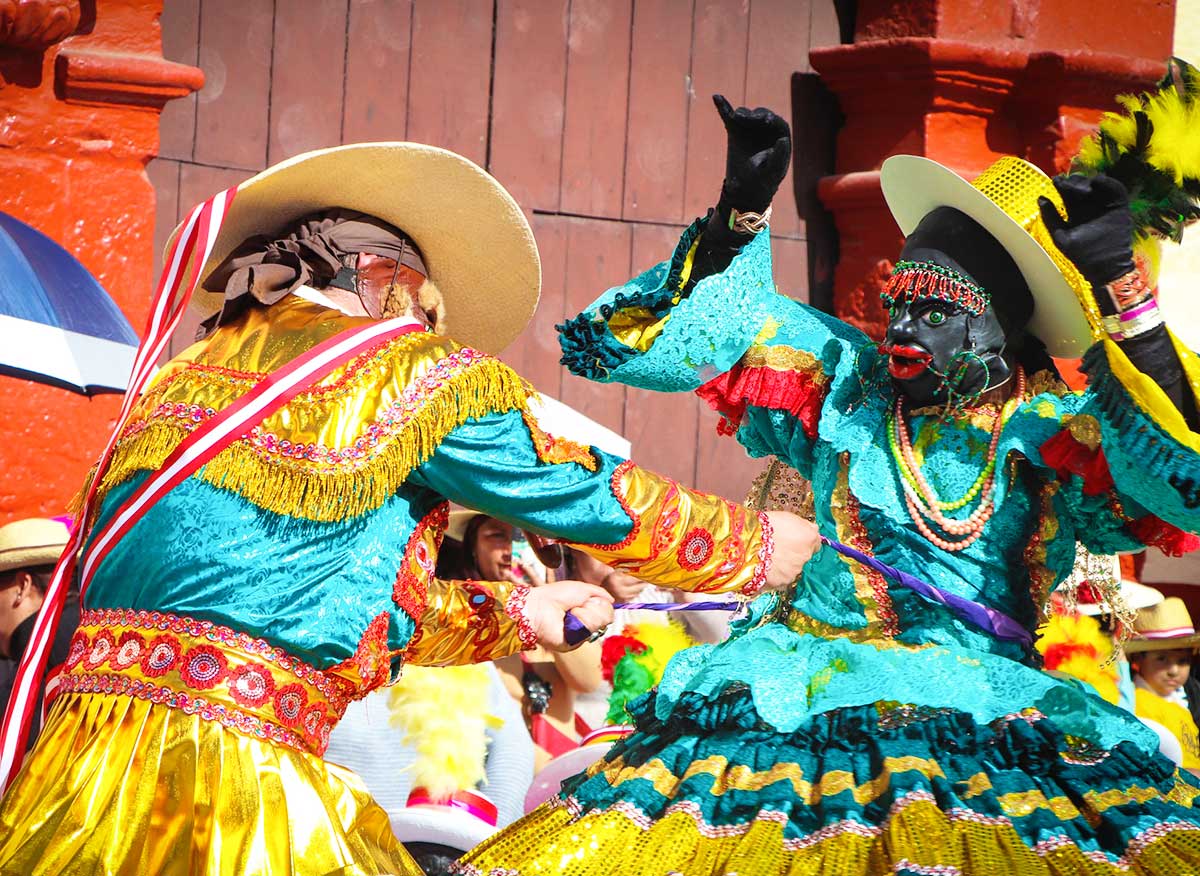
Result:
<point x="180" y="277"/>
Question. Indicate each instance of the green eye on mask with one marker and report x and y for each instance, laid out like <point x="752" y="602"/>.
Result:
<point x="935" y="317"/>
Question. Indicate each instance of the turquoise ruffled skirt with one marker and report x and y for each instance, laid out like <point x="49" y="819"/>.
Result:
<point x="707" y="785"/>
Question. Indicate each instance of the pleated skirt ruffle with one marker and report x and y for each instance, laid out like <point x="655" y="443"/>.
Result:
<point x="118" y="785"/>
<point x="860" y="791"/>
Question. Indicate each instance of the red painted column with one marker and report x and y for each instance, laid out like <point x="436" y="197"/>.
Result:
<point x="963" y="83"/>
<point x="81" y="88"/>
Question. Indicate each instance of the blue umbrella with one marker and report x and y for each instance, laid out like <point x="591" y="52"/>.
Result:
<point x="57" y="324"/>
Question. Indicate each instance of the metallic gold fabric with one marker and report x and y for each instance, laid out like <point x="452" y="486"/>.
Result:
<point x="683" y="539"/>
<point x="464" y="622"/>
<point x="124" y="786"/>
<point x="915" y="838"/>
<point x="340" y="450"/>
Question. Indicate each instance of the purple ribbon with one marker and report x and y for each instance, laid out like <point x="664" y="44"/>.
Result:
<point x="995" y="622"/>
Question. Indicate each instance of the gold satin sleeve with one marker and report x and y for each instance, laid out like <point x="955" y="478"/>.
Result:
<point x="468" y="622"/>
<point x="685" y="539"/>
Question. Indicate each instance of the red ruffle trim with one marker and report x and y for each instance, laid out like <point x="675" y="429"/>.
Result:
<point x="792" y="391"/>
<point x="1169" y="539"/>
<point x="1069" y="457"/>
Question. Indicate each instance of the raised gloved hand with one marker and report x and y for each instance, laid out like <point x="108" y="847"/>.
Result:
<point x="759" y="147"/>
<point x="1097" y="234"/>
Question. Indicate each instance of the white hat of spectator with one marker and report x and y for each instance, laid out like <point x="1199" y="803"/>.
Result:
<point x="592" y="748"/>
<point x="1133" y="593"/>
<point x="462" y="821"/>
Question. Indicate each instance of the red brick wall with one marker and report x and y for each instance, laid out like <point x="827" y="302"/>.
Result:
<point x="595" y="114"/>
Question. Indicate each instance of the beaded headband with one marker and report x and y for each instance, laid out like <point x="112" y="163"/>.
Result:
<point x="913" y="281"/>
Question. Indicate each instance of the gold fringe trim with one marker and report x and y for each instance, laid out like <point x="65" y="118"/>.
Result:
<point x="325" y="491"/>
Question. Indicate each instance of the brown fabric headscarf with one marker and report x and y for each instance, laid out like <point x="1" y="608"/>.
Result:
<point x="266" y="270"/>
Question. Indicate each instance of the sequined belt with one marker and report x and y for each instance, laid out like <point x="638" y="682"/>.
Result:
<point x="204" y="669"/>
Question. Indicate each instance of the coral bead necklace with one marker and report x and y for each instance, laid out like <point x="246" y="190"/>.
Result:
<point x="922" y="502"/>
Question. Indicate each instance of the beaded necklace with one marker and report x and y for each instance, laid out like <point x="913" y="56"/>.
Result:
<point x="923" y="503"/>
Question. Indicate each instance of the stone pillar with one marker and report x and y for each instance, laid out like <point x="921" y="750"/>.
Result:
<point x="963" y="83"/>
<point x="81" y="88"/>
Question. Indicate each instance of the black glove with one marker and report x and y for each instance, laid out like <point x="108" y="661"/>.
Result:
<point x="759" y="147"/>
<point x="1098" y="232"/>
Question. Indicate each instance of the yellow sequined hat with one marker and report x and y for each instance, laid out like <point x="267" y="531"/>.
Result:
<point x="1004" y="200"/>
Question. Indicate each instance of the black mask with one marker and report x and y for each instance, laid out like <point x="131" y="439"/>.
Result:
<point x="940" y="348"/>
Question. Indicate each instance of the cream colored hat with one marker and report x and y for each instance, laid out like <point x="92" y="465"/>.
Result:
<point x="1003" y="199"/>
<point x="457" y="527"/>
<point x="474" y="239"/>
<point x="35" y="541"/>
<point x="1163" y="626"/>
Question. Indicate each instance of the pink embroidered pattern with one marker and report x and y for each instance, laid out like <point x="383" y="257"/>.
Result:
<point x="514" y="607"/>
<point x="619" y="494"/>
<point x="220" y="674"/>
<point x="411" y="590"/>
<point x="696" y="549"/>
<point x="765" y="552"/>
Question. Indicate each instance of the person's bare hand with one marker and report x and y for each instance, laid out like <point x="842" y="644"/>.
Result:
<point x="796" y="540"/>
<point x="622" y="586"/>
<point x="547" y="605"/>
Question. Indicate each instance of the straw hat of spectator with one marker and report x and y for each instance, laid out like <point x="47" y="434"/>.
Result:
<point x="1164" y="626"/>
<point x="35" y="541"/>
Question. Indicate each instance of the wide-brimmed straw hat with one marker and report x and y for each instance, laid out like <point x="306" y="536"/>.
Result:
<point x="35" y="541"/>
<point x="1164" y="626"/>
<point x="475" y="241"/>
<point x="1004" y="200"/>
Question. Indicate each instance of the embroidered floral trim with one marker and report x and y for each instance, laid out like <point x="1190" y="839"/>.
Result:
<point x="372" y="659"/>
<point x="860" y="540"/>
<point x="618" y="492"/>
<point x="246" y="683"/>
<point x="514" y="607"/>
<point x="557" y="450"/>
<point x="696" y="549"/>
<point x="233" y="718"/>
<point x="411" y="590"/>
<point x="766" y="553"/>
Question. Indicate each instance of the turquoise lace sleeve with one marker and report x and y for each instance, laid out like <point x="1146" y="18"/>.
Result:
<point x="1130" y="466"/>
<point x="684" y="338"/>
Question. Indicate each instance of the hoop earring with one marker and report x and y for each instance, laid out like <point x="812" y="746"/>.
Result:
<point x="957" y="402"/>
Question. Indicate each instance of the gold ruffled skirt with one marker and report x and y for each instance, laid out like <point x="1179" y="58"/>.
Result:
<point x="118" y="785"/>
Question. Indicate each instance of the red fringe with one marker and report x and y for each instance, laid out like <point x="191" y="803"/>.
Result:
<point x="1068" y="457"/>
<point x="1169" y="539"/>
<point x="790" y="391"/>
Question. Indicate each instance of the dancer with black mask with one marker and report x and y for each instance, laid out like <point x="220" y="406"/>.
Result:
<point x="888" y="714"/>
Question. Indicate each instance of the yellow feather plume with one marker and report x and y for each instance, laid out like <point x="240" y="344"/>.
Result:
<point x="1075" y="645"/>
<point x="444" y="714"/>
<point x="662" y="642"/>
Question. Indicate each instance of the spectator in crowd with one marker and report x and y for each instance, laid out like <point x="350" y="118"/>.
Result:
<point x="1160" y="655"/>
<point x="28" y="551"/>
<point x="546" y="684"/>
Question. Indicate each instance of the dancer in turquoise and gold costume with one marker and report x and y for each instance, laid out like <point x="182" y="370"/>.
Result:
<point x="860" y="725"/>
<point x="224" y="635"/>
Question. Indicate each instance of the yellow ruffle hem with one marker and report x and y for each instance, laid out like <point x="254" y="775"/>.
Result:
<point x="119" y="785"/>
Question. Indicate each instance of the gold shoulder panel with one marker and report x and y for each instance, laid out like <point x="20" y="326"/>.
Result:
<point x="339" y="449"/>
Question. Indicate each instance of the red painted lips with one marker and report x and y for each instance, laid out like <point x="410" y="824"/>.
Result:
<point x="905" y="363"/>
